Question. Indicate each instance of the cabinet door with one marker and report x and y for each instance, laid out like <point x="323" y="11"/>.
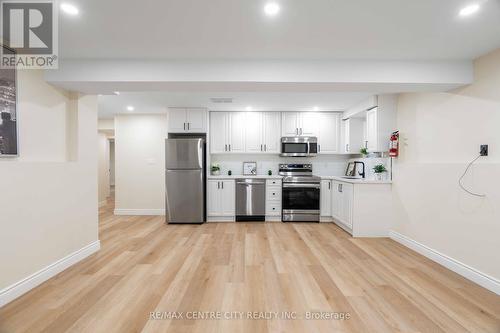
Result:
<point x="177" y="120"/>
<point x="347" y="201"/>
<point x="214" y="198"/>
<point x="353" y="135"/>
<point x="326" y="198"/>
<point x="336" y="198"/>
<point x="347" y="139"/>
<point x="290" y="123"/>
<point x="328" y="136"/>
<point x="218" y="132"/>
<point x="228" y="198"/>
<point x="309" y="124"/>
<point x="371" y="129"/>
<point x="254" y="142"/>
<point x="272" y="130"/>
<point x="196" y="119"/>
<point x="236" y="143"/>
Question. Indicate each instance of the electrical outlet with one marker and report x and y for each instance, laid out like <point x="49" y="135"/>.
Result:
<point x="483" y="150"/>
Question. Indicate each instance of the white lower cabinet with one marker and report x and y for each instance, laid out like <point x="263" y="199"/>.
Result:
<point x="273" y="200"/>
<point x="221" y="200"/>
<point x="363" y="210"/>
<point x="326" y="200"/>
<point x="342" y="203"/>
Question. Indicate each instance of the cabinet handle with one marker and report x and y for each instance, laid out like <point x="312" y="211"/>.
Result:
<point x="222" y="183"/>
<point x="297" y="131"/>
<point x="347" y="147"/>
<point x="319" y="148"/>
<point x="184" y="126"/>
<point x="261" y="147"/>
<point x="218" y="185"/>
<point x="229" y="147"/>
<point x="366" y="144"/>
<point x="189" y="124"/>
<point x="329" y="186"/>
<point x="265" y="147"/>
<point x="225" y="147"/>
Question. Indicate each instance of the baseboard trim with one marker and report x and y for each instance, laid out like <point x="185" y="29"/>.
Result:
<point x="139" y="212"/>
<point x="19" y="288"/>
<point x="456" y="266"/>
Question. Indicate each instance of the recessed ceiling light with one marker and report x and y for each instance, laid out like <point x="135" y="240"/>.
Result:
<point x="249" y="108"/>
<point x="130" y="108"/>
<point x="271" y="9"/>
<point x="469" y="10"/>
<point x="69" y="9"/>
<point x="116" y="92"/>
<point x="315" y="108"/>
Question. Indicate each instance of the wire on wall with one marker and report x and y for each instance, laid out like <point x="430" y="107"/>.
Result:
<point x="463" y="175"/>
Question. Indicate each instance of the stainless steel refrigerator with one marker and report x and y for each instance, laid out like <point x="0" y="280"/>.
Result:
<point x="185" y="180"/>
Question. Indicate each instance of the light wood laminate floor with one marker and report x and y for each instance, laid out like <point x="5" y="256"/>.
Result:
<point x="145" y="265"/>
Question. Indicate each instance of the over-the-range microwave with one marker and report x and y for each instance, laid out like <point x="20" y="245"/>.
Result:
<point x="299" y="146"/>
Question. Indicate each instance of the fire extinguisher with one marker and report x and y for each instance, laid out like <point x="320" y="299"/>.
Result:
<point x="394" y="145"/>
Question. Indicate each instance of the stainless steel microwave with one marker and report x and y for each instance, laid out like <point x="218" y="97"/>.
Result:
<point x="299" y="146"/>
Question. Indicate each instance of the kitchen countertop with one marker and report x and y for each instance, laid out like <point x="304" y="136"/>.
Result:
<point x="357" y="181"/>
<point x="346" y="180"/>
<point x="245" y="176"/>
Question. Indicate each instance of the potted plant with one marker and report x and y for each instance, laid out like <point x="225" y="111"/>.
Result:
<point x="380" y="171"/>
<point x="215" y="169"/>
<point x="364" y="152"/>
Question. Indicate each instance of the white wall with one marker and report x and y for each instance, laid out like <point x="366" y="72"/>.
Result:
<point x="140" y="163"/>
<point x="48" y="197"/>
<point x="103" y="168"/>
<point x="441" y="133"/>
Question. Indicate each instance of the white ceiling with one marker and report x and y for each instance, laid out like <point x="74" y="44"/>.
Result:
<point x="305" y="29"/>
<point x="157" y="102"/>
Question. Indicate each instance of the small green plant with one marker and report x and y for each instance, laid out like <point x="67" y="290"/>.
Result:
<point x="364" y="151"/>
<point x="215" y="167"/>
<point x="379" y="168"/>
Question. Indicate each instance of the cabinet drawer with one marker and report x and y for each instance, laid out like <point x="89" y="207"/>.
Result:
<point x="273" y="208"/>
<point x="273" y="182"/>
<point x="273" y="193"/>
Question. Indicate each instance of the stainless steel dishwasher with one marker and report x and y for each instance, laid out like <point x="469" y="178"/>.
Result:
<point x="250" y="199"/>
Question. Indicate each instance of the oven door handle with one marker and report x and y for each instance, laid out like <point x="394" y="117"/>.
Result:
<point x="301" y="185"/>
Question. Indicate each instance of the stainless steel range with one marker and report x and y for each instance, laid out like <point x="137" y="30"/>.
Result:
<point x="300" y="193"/>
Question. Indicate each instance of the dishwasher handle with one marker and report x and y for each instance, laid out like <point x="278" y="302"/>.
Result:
<point x="253" y="183"/>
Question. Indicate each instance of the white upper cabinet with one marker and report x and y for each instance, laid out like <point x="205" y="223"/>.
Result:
<point x="353" y="135"/>
<point x="245" y="132"/>
<point x="328" y="132"/>
<point x="379" y="122"/>
<point x="300" y="123"/>
<point x="176" y="120"/>
<point x="371" y="142"/>
<point x="309" y="123"/>
<point x="196" y="120"/>
<point x="227" y="132"/>
<point x="272" y="132"/>
<point x="237" y="128"/>
<point x="183" y="120"/>
<point x="254" y="132"/>
<point x="219" y="132"/>
<point x="290" y="123"/>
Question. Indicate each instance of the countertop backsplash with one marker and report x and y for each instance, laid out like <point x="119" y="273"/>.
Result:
<point x="323" y="165"/>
